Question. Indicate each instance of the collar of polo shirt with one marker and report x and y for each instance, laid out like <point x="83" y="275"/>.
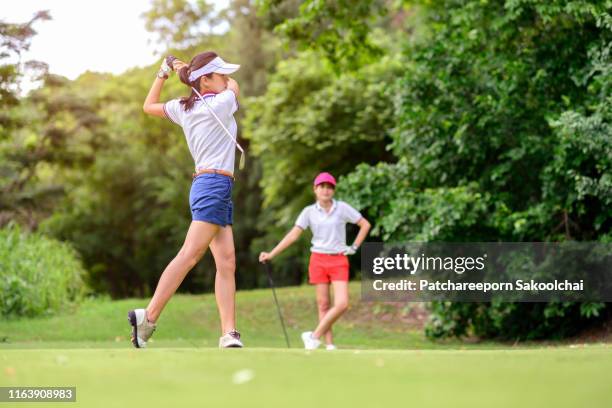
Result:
<point x="318" y="206"/>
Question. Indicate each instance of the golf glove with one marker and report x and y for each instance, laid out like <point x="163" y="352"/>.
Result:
<point x="164" y="70"/>
<point x="350" y="250"/>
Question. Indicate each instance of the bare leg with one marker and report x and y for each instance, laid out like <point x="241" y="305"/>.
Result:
<point x="323" y="304"/>
<point x="198" y="239"/>
<point x="222" y="247"/>
<point x="340" y="306"/>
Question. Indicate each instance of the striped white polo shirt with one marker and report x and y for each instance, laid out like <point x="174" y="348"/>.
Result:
<point x="328" y="228"/>
<point x="209" y="145"/>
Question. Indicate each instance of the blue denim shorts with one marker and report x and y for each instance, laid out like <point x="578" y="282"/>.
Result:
<point x="210" y="199"/>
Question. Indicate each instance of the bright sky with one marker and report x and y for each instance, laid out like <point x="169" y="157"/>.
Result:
<point x="94" y="35"/>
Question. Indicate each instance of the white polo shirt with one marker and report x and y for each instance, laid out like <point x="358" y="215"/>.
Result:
<point x="208" y="143"/>
<point x="328" y="228"/>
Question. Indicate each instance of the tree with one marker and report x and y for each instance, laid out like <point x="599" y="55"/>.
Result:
<point x="21" y="148"/>
<point x="502" y="133"/>
<point x="14" y="39"/>
<point x="339" y="29"/>
<point x="180" y="23"/>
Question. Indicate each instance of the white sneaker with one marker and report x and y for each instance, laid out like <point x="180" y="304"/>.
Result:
<point x="310" y="343"/>
<point x="142" y="329"/>
<point x="230" y="340"/>
<point x="330" y="347"/>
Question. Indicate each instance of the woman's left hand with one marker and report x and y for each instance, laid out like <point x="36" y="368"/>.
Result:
<point x="350" y="250"/>
<point x="265" y="257"/>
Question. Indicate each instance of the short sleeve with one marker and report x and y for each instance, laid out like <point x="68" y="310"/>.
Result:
<point x="224" y="103"/>
<point x="349" y="214"/>
<point x="302" y="219"/>
<point x="172" y="109"/>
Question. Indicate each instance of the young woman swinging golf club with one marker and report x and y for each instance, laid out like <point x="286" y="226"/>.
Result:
<point x="327" y="218"/>
<point x="206" y="117"/>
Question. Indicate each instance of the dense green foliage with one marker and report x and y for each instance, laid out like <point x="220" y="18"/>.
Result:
<point x="503" y="133"/>
<point x="15" y="39"/>
<point x="339" y="29"/>
<point x="18" y="152"/>
<point x="38" y="275"/>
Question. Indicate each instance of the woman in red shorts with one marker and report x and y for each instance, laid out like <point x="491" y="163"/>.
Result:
<point x="329" y="264"/>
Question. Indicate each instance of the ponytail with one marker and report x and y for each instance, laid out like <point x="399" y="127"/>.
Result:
<point x="197" y="62"/>
<point x="188" y="102"/>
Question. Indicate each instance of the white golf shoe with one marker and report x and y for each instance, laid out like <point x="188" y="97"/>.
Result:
<point x="310" y="343"/>
<point x="230" y="340"/>
<point x="142" y="328"/>
<point x="331" y="347"/>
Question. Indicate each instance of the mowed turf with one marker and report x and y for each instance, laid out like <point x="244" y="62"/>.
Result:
<point x="260" y="377"/>
<point x="384" y="360"/>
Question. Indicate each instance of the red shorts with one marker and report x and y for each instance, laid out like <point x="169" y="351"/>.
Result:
<point x="324" y="268"/>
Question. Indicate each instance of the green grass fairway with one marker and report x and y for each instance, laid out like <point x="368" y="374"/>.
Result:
<point x="259" y="377"/>
<point x="384" y="360"/>
<point x="193" y="321"/>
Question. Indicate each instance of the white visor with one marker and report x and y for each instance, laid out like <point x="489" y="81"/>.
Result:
<point x="216" y="65"/>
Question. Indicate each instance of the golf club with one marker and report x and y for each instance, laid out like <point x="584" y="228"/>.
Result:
<point x="280" y="314"/>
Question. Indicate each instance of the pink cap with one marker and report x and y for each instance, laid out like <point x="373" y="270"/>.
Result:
<point x="324" y="178"/>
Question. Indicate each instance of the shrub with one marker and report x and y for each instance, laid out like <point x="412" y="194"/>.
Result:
<point x="512" y="321"/>
<point x="38" y="275"/>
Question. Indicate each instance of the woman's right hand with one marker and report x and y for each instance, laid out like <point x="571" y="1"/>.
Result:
<point x="178" y="64"/>
<point x="264" y="257"/>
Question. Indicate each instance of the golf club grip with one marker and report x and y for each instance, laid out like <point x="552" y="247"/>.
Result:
<point x="169" y="60"/>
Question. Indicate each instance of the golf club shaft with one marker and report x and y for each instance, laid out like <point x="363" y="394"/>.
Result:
<point x="280" y="314"/>
<point x="227" y="132"/>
